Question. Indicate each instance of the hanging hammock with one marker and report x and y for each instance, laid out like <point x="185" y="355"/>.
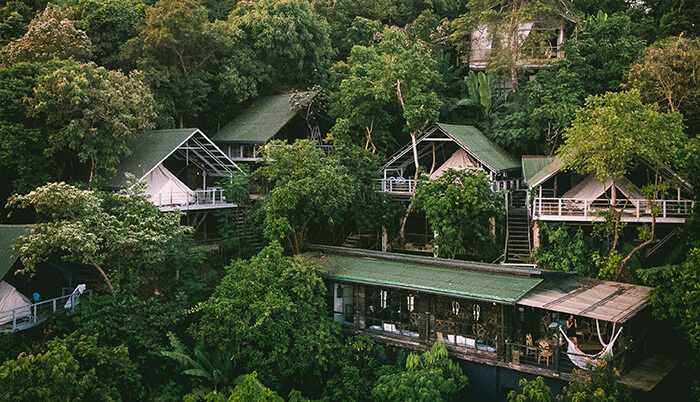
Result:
<point x="580" y="359"/>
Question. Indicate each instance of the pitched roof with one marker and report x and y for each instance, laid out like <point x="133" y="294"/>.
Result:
<point x="537" y="169"/>
<point x="8" y="255"/>
<point x="432" y="275"/>
<point x="476" y="143"/>
<point x="264" y="118"/>
<point x="151" y="148"/>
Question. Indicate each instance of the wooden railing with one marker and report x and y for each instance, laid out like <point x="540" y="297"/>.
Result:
<point x="185" y="200"/>
<point x="634" y="210"/>
<point x="29" y="316"/>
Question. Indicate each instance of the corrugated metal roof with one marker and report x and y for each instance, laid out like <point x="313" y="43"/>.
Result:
<point x="264" y="118"/>
<point x="537" y="169"/>
<point x="148" y="150"/>
<point x="8" y="255"/>
<point x="475" y="142"/>
<point x="603" y="300"/>
<point x="373" y="269"/>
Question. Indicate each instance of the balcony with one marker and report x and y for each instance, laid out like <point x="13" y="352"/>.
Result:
<point x="212" y="198"/>
<point x="633" y="210"/>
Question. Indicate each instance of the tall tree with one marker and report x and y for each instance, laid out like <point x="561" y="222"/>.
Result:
<point x="669" y="73"/>
<point x="50" y="35"/>
<point x="608" y="137"/>
<point x="272" y="310"/>
<point x="289" y="37"/>
<point x="92" y="112"/>
<point x="309" y="190"/>
<point x="459" y="205"/>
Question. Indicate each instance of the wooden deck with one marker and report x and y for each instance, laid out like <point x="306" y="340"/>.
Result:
<point x="647" y="374"/>
<point x="192" y="200"/>
<point x="22" y="318"/>
<point x="634" y="210"/>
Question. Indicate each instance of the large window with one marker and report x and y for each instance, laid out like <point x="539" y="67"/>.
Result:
<point x="392" y="311"/>
<point x="466" y="323"/>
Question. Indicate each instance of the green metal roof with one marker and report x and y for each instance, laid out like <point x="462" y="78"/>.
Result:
<point x="433" y="278"/>
<point x="537" y="169"/>
<point x="148" y="149"/>
<point x="473" y="140"/>
<point x="260" y="121"/>
<point x="8" y="255"/>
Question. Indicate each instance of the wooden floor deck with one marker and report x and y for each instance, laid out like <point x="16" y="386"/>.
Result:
<point x="646" y="375"/>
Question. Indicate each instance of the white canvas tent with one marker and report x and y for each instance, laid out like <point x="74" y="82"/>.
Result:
<point x="459" y="160"/>
<point x="11" y="299"/>
<point x="166" y="189"/>
<point x="592" y="188"/>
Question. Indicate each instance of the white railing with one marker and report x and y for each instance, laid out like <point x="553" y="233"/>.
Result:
<point x="576" y="209"/>
<point x="185" y="199"/>
<point x="512" y="184"/>
<point x="396" y="185"/>
<point x="29" y="316"/>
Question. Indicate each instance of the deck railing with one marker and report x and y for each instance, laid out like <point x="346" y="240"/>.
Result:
<point x="576" y="209"/>
<point x="556" y="359"/>
<point x="186" y="199"/>
<point x="396" y="185"/>
<point x="29" y="316"/>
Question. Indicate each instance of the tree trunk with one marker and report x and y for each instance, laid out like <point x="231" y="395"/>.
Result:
<point x="103" y="275"/>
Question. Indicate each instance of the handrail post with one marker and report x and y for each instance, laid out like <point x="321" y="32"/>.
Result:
<point x="664" y="204"/>
<point x="54" y="305"/>
<point x="585" y="208"/>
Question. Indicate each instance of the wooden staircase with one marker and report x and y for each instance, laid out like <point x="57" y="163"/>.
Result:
<point x="518" y="241"/>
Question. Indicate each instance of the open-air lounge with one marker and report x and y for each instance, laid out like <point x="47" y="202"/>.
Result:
<point x="512" y="317"/>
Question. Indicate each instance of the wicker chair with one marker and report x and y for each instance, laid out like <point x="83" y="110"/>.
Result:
<point x="544" y="352"/>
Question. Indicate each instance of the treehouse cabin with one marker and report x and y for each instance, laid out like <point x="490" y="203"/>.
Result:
<point x="26" y="301"/>
<point x="511" y="319"/>
<point x="181" y="168"/>
<point x="449" y="146"/>
<point x="281" y="117"/>
<point x="566" y="197"/>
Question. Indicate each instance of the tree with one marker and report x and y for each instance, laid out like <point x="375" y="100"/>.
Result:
<point x="123" y="235"/>
<point x="187" y="59"/>
<point x="503" y="21"/>
<point x="430" y="376"/>
<point x="308" y="190"/>
<point x="109" y="25"/>
<point x="599" y="384"/>
<point x="676" y="300"/>
<point x="601" y="52"/>
<point x="533" y="391"/>
<point x="289" y="37"/>
<point x="609" y="136"/>
<point x="459" y="205"/>
<point x="380" y="83"/>
<point x="73" y="367"/>
<point x="272" y="310"/>
<point x="667" y="73"/>
<point x="50" y="35"/>
<point x="92" y="112"/>
<point x="564" y="249"/>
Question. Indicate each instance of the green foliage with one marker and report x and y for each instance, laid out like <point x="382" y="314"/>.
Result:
<point x="272" y="307"/>
<point x="676" y="299"/>
<point x="614" y="129"/>
<point x="249" y="389"/>
<point x="75" y="367"/>
<point x="533" y="391"/>
<point x="50" y="35"/>
<point x="141" y="326"/>
<point x="377" y="80"/>
<point x="599" y="384"/>
<point x="563" y="248"/>
<point x="602" y="51"/>
<point x="359" y="361"/>
<point x="431" y="376"/>
<point x="289" y="37"/>
<point x="459" y="205"/>
<point x="122" y="233"/>
<point x="308" y="190"/>
<point x="92" y="112"/>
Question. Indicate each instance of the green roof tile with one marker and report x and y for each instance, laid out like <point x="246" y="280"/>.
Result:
<point x="537" y="169"/>
<point x="495" y="286"/>
<point x="259" y="122"/>
<point x="469" y="137"/>
<point x="8" y="255"/>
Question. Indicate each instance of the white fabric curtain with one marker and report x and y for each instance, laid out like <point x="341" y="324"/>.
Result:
<point x="458" y="161"/>
<point x="165" y="189"/>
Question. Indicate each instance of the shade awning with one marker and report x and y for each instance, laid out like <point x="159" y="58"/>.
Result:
<point x="602" y="300"/>
<point x="459" y="160"/>
<point x="592" y="188"/>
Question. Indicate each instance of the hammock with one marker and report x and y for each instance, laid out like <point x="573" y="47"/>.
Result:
<point x="580" y="359"/>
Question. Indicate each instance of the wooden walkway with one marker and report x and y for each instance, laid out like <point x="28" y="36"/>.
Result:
<point x="647" y="374"/>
